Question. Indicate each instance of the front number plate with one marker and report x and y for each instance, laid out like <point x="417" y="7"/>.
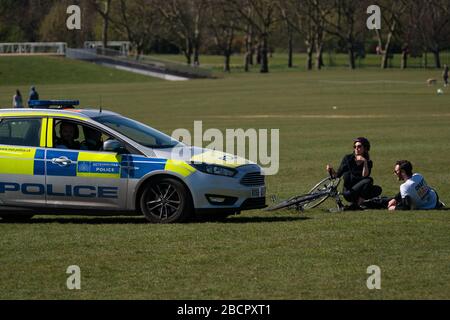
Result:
<point x="259" y="192"/>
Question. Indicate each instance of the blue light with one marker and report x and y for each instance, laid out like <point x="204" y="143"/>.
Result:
<point x="45" y="104"/>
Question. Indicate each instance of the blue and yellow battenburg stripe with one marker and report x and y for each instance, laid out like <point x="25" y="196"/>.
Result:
<point x="17" y="160"/>
<point x="135" y="167"/>
<point x="35" y="161"/>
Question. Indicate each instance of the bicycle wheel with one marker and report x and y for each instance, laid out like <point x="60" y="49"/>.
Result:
<point x="324" y="187"/>
<point x="295" y="202"/>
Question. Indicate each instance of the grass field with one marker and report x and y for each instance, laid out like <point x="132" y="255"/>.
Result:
<point x="256" y="255"/>
<point x="278" y="61"/>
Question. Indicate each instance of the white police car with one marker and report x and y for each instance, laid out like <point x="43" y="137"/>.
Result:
<point x="78" y="161"/>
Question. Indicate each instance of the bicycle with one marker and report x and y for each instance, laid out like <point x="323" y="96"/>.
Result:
<point x="327" y="188"/>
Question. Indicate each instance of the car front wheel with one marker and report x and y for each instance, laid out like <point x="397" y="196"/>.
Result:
<point x="166" y="200"/>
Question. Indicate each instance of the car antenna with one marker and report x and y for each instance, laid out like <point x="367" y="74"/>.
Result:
<point x="101" y="104"/>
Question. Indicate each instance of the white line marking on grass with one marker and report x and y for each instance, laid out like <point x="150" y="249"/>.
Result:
<point x="321" y="116"/>
<point x="364" y="82"/>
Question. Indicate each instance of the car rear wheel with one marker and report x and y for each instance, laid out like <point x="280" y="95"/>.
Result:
<point x="166" y="200"/>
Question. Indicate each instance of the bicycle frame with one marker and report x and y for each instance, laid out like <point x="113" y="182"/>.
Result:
<point x="299" y="202"/>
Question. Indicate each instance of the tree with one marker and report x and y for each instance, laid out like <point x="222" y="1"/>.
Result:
<point x="288" y="19"/>
<point x="138" y="19"/>
<point x="432" y="24"/>
<point x="20" y="19"/>
<point x="249" y="47"/>
<point x="392" y="12"/>
<point x="103" y="8"/>
<point x="185" y="20"/>
<point x="305" y="17"/>
<point x="341" y="20"/>
<point x="53" y="26"/>
<point x="261" y="16"/>
<point x="223" y="25"/>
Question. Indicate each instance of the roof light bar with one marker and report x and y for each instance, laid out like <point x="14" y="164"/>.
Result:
<point x="47" y="104"/>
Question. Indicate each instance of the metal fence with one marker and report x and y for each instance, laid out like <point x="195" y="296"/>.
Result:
<point x="33" y="48"/>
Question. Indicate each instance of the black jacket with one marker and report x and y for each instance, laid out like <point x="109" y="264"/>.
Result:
<point x="351" y="171"/>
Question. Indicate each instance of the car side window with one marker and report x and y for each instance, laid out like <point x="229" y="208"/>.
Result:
<point x="74" y="136"/>
<point x="20" y="132"/>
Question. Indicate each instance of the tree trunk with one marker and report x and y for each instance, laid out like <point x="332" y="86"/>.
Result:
<point x="188" y="52"/>
<point x="437" y="58"/>
<point x="351" y="56"/>
<point x="196" y="55"/>
<point x="248" y="57"/>
<point x="105" y="33"/>
<point x="319" y="56"/>
<point x="106" y="25"/>
<point x="251" y="56"/>
<point x="247" y="61"/>
<point x="290" y="51"/>
<point x="387" y="48"/>
<point x="226" y="66"/>
<point x="425" y="58"/>
<point x="385" y="58"/>
<point x="264" y="54"/>
<point x="309" y="53"/>
<point x="188" y="58"/>
<point x="259" y="53"/>
<point x="404" y="62"/>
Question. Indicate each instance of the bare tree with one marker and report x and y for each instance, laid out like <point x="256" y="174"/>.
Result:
<point x="185" y="19"/>
<point x="306" y="18"/>
<point x="138" y="19"/>
<point x="392" y="12"/>
<point x="103" y="8"/>
<point x="249" y="47"/>
<point x="223" y="25"/>
<point x="288" y="18"/>
<point x="261" y="15"/>
<point x="432" y="24"/>
<point x="342" y="18"/>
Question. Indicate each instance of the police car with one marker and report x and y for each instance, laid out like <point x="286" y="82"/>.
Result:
<point x="55" y="159"/>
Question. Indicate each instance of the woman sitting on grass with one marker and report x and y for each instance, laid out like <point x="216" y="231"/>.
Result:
<point x="355" y="169"/>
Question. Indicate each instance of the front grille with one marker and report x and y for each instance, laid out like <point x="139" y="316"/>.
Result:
<point x="253" y="179"/>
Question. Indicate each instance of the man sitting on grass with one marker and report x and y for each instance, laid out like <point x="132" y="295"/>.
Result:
<point x="414" y="194"/>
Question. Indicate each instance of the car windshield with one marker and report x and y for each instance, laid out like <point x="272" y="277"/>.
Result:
<point x="138" y="132"/>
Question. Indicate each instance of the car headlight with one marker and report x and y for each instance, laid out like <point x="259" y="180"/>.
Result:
<point x="214" y="169"/>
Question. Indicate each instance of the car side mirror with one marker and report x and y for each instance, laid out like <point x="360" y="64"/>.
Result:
<point x="113" y="146"/>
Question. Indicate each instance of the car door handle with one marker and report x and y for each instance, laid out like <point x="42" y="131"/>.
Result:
<point x="62" y="161"/>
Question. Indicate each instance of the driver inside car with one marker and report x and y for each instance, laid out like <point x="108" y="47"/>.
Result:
<point x="68" y="133"/>
<point x="93" y="140"/>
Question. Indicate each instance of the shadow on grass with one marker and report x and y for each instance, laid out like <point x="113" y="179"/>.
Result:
<point x="242" y="220"/>
<point x="138" y="220"/>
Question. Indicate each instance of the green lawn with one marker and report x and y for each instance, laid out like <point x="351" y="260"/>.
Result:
<point x="256" y="255"/>
<point x="55" y="70"/>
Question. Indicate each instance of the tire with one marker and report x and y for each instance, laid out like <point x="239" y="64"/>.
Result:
<point x="166" y="200"/>
<point x="313" y="199"/>
<point x="16" y="217"/>
<point x="294" y="202"/>
<point x="325" y="184"/>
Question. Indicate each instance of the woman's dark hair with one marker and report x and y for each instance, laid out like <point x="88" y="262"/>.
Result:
<point x="18" y="93"/>
<point x="406" y="166"/>
<point x="366" y="144"/>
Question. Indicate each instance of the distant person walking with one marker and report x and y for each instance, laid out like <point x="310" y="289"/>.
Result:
<point x="17" y="100"/>
<point x="445" y="75"/>
<point x="34" y="95"/>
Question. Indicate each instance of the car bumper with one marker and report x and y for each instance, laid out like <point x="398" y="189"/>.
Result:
<point x="236" y="196"/>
